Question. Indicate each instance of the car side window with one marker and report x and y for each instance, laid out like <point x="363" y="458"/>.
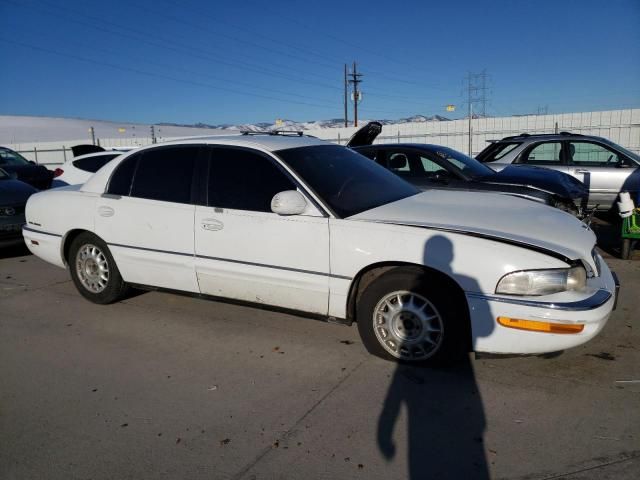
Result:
<point x="93" y="164"/>
<point x="398" y="162"/>
<point x="592" y="154"/>
<point x="122" y="176"/>
<point x="242" y="179"/>
<point x="548" y="153"/>
<point x="165" y="174"/>
<point x="429" y="165"/>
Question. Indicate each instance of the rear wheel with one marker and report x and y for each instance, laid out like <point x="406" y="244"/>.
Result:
<point x="93" y="270"/>
<point x="408" y="316"/>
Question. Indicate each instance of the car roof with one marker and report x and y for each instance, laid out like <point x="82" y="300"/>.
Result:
<point x="525" y="137"/>
<point x="266" y="142"/>
<point x="403" y="145"/>
<point x="96" y="154"/>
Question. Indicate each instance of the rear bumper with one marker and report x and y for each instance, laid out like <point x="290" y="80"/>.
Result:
<point x="44" y="245"/>
<point x="592" y="312"/>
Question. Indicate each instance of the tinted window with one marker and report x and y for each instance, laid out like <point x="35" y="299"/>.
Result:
<point x="496" y="151"/>
<point x="120" y="182"/>
<point x="165" y="174"/>
<point x="458" y="160"/>
<point x="544" y="154"/>
<point x="244" y="180"/>
<point x="93" y="164"/>
<point x="9" y="157"/>
<point x="592" y="154"/>
<point x="347" y="181"/>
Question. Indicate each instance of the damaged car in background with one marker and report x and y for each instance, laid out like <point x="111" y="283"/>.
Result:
<point x="432" y="166"/>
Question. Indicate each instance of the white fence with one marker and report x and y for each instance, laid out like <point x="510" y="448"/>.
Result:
<point x="620" y="126"/>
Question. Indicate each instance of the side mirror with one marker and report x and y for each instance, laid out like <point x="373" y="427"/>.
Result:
<point x="32" y="162"/>
<point x="289" y="202"/>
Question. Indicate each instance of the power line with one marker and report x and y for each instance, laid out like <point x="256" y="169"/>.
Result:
<point x="167" y="77"/>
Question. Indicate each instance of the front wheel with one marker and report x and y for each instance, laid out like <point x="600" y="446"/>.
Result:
<point x="410" y="316"/>
<point x="93" y="270"/>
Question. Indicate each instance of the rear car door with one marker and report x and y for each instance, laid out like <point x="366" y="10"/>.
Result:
<point x="146" y="216"/>
<point x="603" y="170"/>
<point x="244" y="251"/>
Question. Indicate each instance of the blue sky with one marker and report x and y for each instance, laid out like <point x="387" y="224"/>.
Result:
<point x="230" y="62"/>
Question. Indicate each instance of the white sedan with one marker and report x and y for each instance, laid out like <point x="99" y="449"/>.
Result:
<point x="295" y="223"/>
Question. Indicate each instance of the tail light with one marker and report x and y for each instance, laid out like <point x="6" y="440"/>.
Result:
<point x="57" y="172"/>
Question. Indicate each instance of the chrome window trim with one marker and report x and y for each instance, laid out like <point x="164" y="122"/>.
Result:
<point x="596" y="300"/>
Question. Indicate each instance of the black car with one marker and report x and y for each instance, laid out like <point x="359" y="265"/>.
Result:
<point x="13" y="198"/>
<point x="434" y="166"/>
<point x="27" y="171"/>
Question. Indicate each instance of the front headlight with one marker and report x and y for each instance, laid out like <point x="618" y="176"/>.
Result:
<point x="543" y="282"/>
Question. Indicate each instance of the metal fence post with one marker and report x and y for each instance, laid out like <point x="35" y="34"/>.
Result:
<point x="64" y="153"/>
<point x="35" y="153"/>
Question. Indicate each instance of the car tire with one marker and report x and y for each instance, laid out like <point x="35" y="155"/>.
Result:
<point x="408" y="315"/>
<point x="94" y="271"/>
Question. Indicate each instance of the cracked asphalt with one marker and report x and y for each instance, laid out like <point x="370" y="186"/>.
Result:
<point x="163" y="386"/>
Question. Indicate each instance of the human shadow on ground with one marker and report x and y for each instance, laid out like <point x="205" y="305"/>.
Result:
<point x="443" y="408"/>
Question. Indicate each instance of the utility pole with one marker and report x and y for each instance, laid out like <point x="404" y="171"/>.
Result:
<point x="346" y="97"/>
<point x="355" y="80"/>
<point x="470" y="130"/>
<point x="153" y="134"/>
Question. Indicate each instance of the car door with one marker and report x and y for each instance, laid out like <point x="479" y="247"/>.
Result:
<point x="545" y="154"/>
<point x="601" y="169"/>
<point x="146" y="217"/>
<point x="246" y="252"/>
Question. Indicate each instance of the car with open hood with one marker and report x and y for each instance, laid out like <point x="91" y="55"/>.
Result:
<point x="289" y="222"/>
<point x="434" y="166"/>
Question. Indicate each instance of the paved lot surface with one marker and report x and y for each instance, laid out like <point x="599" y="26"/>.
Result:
<point x="163" y="386"/>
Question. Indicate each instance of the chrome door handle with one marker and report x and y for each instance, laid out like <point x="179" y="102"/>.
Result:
<point x="105" y="211"/>
<point x="212" y="224"/>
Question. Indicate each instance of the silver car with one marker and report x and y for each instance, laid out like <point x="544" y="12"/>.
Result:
<point x="604" y="167"/>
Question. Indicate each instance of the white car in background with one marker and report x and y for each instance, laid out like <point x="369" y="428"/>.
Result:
<point x="295" y="223"/>
<point x="79" y="169"/>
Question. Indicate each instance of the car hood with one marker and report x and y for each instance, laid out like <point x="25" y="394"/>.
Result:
<point x="14" y="192"/>
<point x="558" y="183"/>
<point x="493" y="216"/>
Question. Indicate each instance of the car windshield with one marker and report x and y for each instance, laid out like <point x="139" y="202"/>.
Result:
<point x="470" y="167"/>
<point x="9" y="157"/>
<point x="348" y="182"/>
<point x="627" y="152"/>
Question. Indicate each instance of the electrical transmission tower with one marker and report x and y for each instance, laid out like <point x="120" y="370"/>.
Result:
<point x="476" y="85"/>
<point x="357" y="94"/>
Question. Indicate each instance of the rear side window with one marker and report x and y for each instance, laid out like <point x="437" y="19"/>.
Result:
<point x="497" y="151"/>
<point x="165" y="174"/>
<point x="548" y="153"/>
<point x="120" y="182"/>
<point x="93" y="164"/>
<point x="244" y="180"/>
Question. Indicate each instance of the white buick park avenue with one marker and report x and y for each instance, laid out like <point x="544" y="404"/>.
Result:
<point x="295" y="223"/>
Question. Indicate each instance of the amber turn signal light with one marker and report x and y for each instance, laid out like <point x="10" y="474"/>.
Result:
<point x="535" y="326"/>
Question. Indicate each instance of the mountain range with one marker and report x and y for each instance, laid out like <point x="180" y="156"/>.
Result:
<point x="310" y="125"/>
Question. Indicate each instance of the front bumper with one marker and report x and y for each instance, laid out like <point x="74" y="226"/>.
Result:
<point x="592" y="311"/>
<point x="11" y="230"/>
